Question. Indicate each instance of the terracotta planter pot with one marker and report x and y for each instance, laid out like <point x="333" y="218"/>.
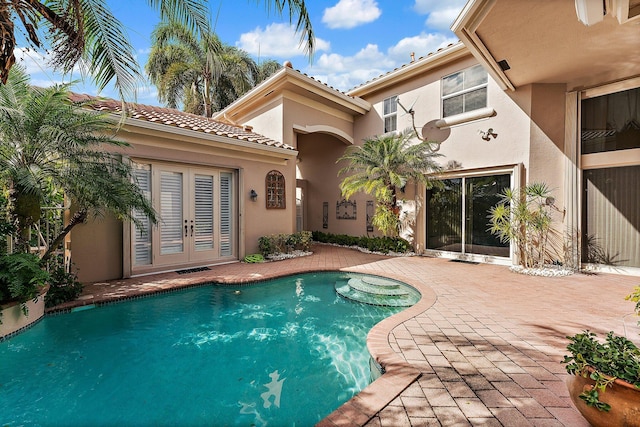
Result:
<point x="623" y="397"/>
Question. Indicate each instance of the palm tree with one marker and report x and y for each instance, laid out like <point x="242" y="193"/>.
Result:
<point x="199" y="71"/>
<point x="49" y="143"/>
<point x="381" y="166"/>
<point x="266" y="69"/>
<point x="86" y="32"/>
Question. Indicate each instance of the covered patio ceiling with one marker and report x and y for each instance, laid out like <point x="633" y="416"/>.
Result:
<point x="544" y="42"/>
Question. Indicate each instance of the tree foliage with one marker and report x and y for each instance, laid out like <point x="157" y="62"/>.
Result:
<point x="47" y="144"/>
<point x="381" y="166"/>
<point x="86" y="33"/>
<point x="200" y="72"/>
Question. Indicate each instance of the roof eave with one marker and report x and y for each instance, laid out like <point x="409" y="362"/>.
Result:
<point x="406" y="72"/>
<point x="278" y="81"/>
<point x="229" y="143"/>
<point x="465" y="27"/>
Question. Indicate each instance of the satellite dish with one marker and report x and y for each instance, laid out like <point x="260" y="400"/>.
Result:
<point x="431" y="132"/>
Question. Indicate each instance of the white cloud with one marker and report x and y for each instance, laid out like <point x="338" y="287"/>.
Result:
<point x="32" y="60"/>
<point x="421" y="45"/>
<point x="351" y="13"/>
<point x="276" y="40"/>
<point x="441" y="14"/>
<point x="345" y="72"/>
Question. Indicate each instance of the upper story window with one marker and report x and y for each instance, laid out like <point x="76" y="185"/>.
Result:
<point x="275" y="190"/>
<point x="464" y="91"/>
<point x="611" y="122"/>
<point x="390" y="114"/>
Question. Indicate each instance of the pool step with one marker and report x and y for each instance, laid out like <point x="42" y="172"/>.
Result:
<point x="377" y="291"/>
<point x="364" y="285"/>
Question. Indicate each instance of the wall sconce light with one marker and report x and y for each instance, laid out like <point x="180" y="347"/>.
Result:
<point x="253" y="195"/>
<point x="488" y="134"/>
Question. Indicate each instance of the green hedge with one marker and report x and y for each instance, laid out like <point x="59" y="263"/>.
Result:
<point x="284" y="243"/>
<point x="374" y="244"/>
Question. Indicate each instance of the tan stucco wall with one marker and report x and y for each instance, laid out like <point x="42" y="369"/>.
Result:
<point x="529" y="123"/>
<point x="547" y="134"/>
<point x="97" y="248"/>
<point x="267" y="121"/>
<point x="318" y="155"/>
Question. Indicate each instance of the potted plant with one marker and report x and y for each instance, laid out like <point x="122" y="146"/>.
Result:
<point x="605" y="376"/>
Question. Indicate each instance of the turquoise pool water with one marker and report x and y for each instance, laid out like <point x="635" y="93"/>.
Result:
<point x="283" y="352"/>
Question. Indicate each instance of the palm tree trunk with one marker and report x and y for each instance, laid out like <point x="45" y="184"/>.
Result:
<point x="76" y="219"/>
<point x="7" y="59"/>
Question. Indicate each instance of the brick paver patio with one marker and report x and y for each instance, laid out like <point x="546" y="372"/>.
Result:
<point x="482" y="347"/>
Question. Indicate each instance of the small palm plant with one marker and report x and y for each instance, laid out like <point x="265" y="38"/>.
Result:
<point x="523" y="217"/>
<point x="48" y="143"/>
<point x="383" y="165"/>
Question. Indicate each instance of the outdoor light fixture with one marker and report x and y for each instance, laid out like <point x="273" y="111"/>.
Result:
<point x="488" y="134"/>
<point x="253" y="195"/>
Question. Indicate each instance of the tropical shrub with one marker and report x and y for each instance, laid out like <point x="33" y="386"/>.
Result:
<point x="523" y="217"/>
<point x="21" y="278"/>
<point x="284" y="243"/>
<point x="63" y="286"/>
<point x="384" y="244"/>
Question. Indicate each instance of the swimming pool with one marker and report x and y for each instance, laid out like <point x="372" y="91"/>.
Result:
<point x="284" y="352"/>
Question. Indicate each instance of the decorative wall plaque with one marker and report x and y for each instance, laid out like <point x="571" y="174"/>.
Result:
<point x="346" y="209"/>
<point x="370" y="212"/>
<point x="325" y="214"/>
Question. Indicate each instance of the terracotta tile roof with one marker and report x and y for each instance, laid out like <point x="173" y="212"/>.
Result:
<point x="179" y="119"/>
<point x="450" y="45"/>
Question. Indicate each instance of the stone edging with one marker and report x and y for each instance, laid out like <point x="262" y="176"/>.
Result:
<point x="398" y="373"/>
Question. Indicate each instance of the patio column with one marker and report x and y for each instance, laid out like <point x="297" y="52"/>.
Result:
<point x="572" y="182"/>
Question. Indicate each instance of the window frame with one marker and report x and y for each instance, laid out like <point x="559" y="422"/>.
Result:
<point x="275" y="190"/>
<point x="463" y="91"/>
<point x="392" y="102"/>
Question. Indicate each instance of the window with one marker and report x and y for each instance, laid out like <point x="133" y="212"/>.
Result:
<point x="611" y="122"/>
<point x="275" y="190"/>
<point x="611" y="219"/>
<point x="390" y="114"/>
<point x="464" y="91"/>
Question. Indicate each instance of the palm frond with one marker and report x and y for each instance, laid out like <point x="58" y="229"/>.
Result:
<point x="109" y="53"/>
<point x="194" y="14"/>
<point x="298" y="12"/>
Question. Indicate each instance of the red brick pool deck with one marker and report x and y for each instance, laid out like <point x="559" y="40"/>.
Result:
<point x="482" y="347"/>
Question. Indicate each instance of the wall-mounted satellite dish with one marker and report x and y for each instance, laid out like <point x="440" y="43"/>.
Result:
<point x="431" y="132"/>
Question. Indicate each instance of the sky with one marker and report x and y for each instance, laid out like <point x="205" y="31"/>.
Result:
<point x="356" y="40"/>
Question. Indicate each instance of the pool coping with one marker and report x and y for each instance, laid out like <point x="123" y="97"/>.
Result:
<point x="398" y="373"/>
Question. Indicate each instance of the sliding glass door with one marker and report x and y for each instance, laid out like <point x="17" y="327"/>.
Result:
<point x="457" y="215"/>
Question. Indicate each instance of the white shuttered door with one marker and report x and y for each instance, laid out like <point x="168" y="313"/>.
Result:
<point x="195" y="207"/>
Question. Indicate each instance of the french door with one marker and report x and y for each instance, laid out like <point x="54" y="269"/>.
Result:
<point x="196" y="216"/>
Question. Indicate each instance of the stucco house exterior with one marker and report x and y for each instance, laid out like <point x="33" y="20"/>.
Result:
<point x="217" y="189"/>
<point x="529" y="94"/>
